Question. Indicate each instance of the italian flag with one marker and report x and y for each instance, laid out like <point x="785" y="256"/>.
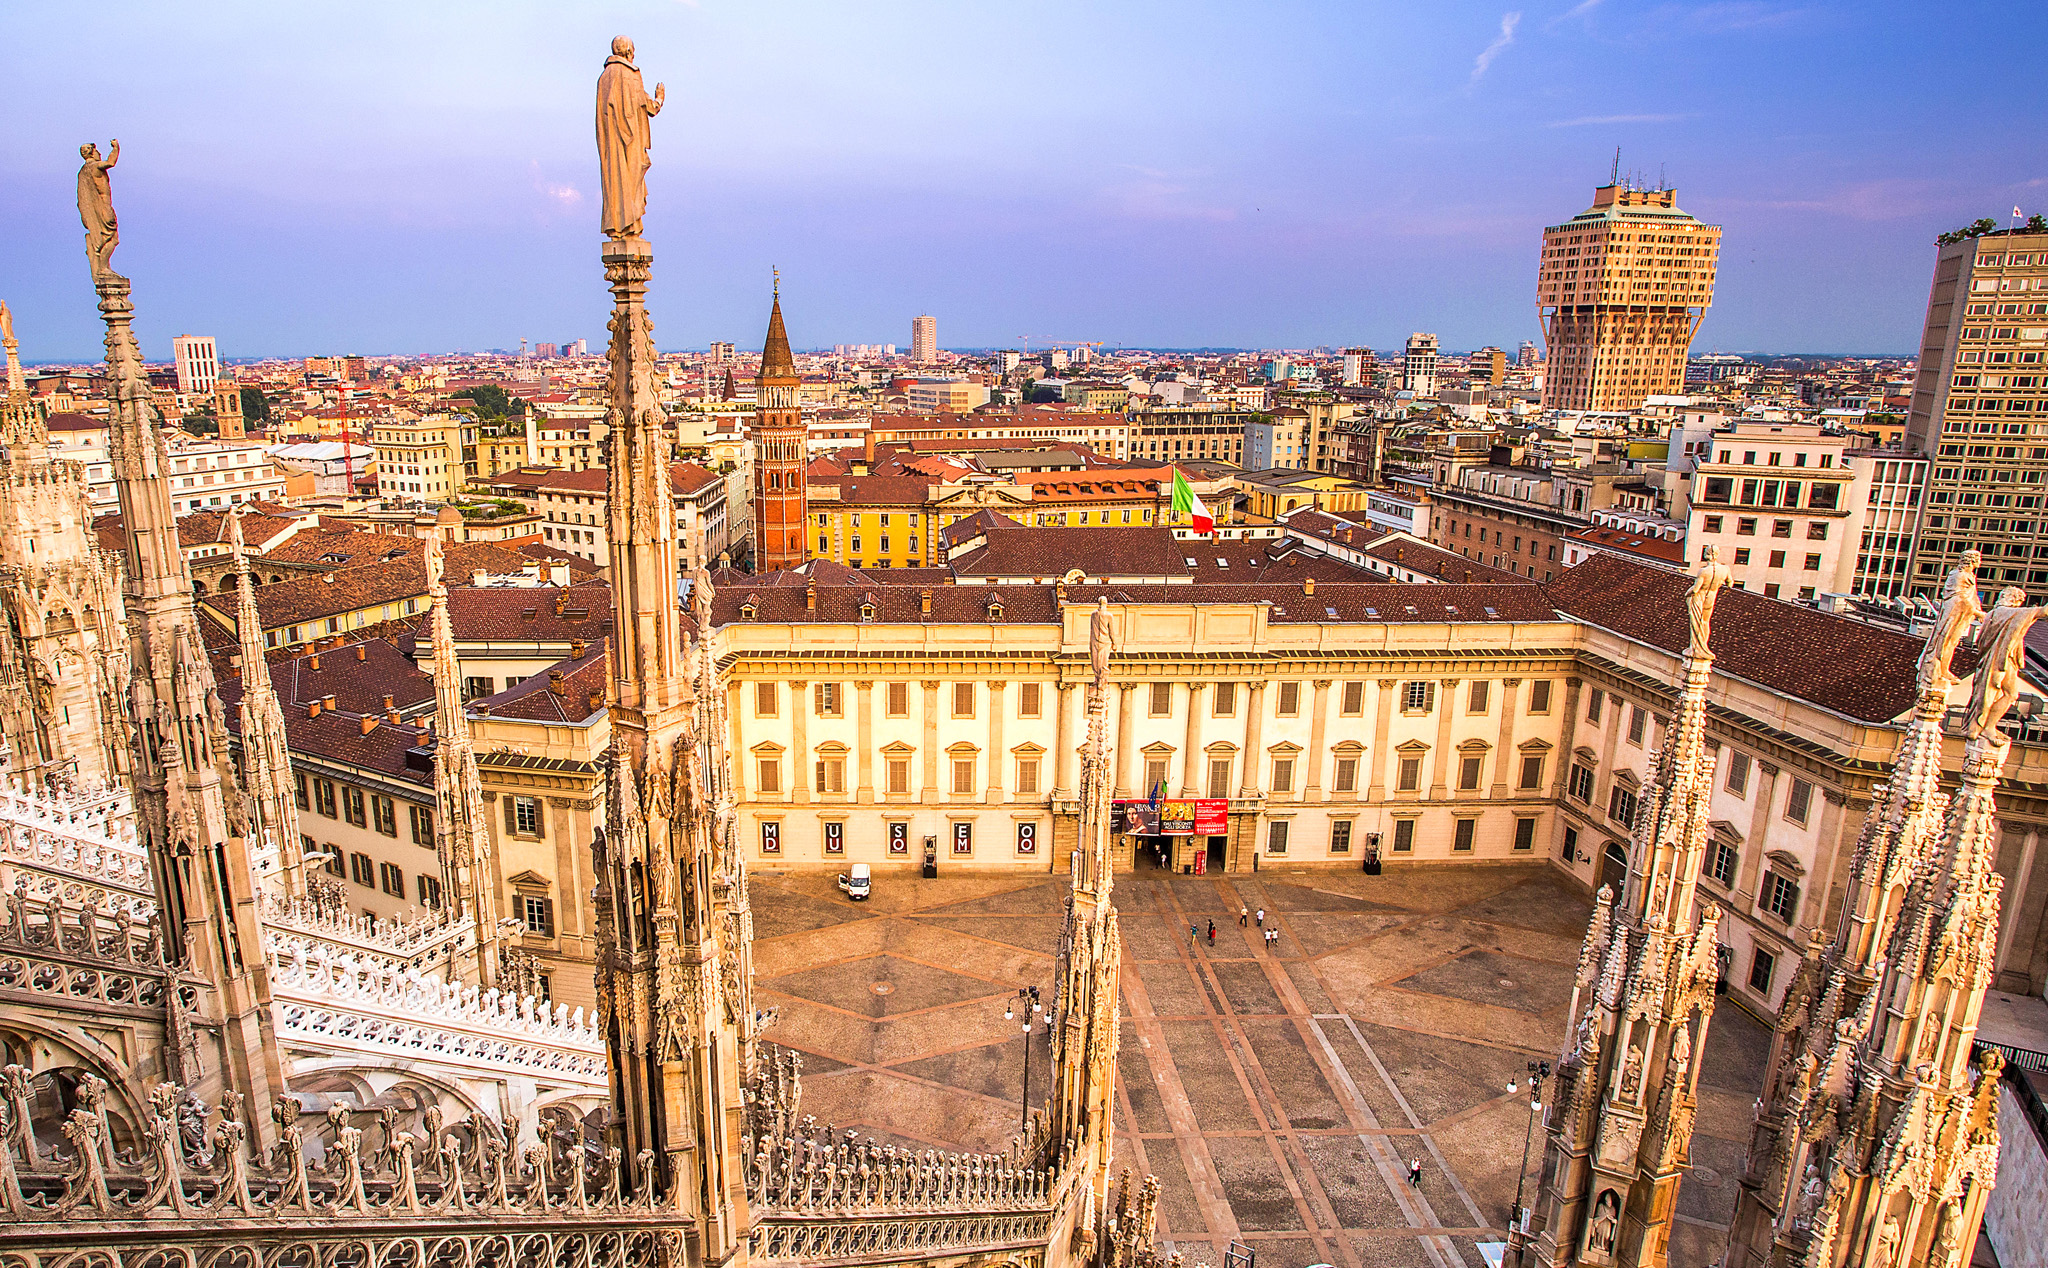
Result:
<point x="1186" y="503"/>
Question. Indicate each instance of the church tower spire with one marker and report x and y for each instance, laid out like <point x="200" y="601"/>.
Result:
<point x="781" y="492"/>
<point x="188" y="812"/>
<point x="266" y="754"/>
<point x="461" y="837"/>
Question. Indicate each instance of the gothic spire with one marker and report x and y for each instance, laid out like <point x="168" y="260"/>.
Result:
<point x="266" y="754"/>
<point x="461" y="837"/>
<point x="776" y="362"/>
<point x="22" y="424"/>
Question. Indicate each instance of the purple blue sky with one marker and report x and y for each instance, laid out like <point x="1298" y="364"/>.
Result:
<point x="375" y="177"/>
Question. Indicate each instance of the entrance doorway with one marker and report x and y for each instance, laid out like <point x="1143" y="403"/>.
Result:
<point x="1614" y="868"/>
<point x="1219" y="853"/>
<point x="1149" y="854"/>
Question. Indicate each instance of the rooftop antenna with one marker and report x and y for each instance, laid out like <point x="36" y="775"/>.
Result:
<point x="1614" y="177"/>
<point x="1660" y="178"/>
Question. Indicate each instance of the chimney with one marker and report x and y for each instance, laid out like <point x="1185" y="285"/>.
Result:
<point x="1347" y="537"/>
<point x="868" y="448"/>
<point x="1399" y="551"/>
<point x="390" y="715"/>
<point x="313" y="709"/>
<point x="388" y="706"/>
<point x="1308" y="585"/>
<point x="362" y="651"/>
<point x="369" y="724"/>
<point x="811" y="597"/>
<point x="596" y="700"/>
<point x="1468" y="576"/>
<point x="478" y="577"/>
<point x="555" y="683"/>
<point x="328" y="701"/>
<point x="561" y="601"/>
<point x="577" y="648"/>
<point x="924" y="602"/>
<point x="313" y="662"/>
<point x="559" y="574"/>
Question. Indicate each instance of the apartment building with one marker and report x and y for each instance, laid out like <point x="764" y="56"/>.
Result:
<point x="1105" y="433"/>
<point x="422" y="457"/>
<point x="207" y="473"/>
<point x="1776" y="498"/>
<point x="1186" y="433"/>
<point x="1277" y="439"/>
<point x="1419" y="365"/>
<point x="1519" y="518"/>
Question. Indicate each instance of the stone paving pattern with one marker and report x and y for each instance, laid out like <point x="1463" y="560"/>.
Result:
<point x="1277" y="1092"/>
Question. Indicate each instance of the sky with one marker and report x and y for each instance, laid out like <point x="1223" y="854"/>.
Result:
<point x="380" y="178"/>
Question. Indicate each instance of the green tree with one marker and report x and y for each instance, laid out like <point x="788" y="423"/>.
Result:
<point x="492" y="401"/>
<point x="255" y="406"/>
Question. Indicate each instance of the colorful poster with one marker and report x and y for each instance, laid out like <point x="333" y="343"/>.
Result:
<point x="1135" y="818"/>
<point x="1212" y="817"/>
<point x="1177" y="819"/>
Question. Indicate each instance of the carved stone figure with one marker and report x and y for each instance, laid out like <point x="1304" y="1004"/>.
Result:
<point x="1959" y="609"/>
<point x="1712" y="577"/>
<point x="624" y="114"/>
<point x="437" y="568"/>
<point x="1632" y="1071"/>
<point x="2000" y="646"/>
<point x="1606" y="1222"/>
<point x="96" y="205"/>
<point x="1886" y="1251"/>
<point x="1099" y="642"/>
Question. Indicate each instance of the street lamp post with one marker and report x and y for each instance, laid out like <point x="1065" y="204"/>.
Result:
<point x="1026" y="1001"/>
<point x="1538" y="1071"/>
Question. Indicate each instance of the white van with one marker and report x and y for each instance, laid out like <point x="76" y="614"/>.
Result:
<point x="858" y="885"/>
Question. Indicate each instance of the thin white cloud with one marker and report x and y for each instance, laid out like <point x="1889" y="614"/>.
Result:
<point x="1592" y="119"/>
<point x="554" y="191"/>
<point x="1508" y="22"/>
<point x="1580" y="10"/>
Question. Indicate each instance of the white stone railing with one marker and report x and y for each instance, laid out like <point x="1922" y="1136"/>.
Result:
<point x="430" y="937"/>
<point x="356" y="1005"/>
<point x="75" y="849"/>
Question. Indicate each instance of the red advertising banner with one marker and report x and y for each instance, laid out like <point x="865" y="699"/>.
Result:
<point x="1212" y="817"/>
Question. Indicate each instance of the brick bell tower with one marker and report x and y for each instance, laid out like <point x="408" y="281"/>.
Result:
<point x="781" y="500"/>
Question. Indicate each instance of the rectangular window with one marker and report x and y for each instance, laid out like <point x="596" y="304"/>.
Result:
<point x="1525" y="834"/>
<point x="392" y="878"/>
<point x="899" y="699"/>
<point x="1742" y="555"/>
<point x="899" y="775"/>
<point x="1636" y="718"/>
<point x="1799" y="802"/>
<point x="1347" y="775"/>
<point x="1027" y="776"/>
<point x="825" y="699"/>
<point x="1571" y="845"/>
<point x="1539" y="696"/>
<point x="765" y="700"/>
<point x="1155" y="775"/>
<point x="1404" y="836"/>
<point x="1418" y="697"/>
<point x="1621" y="805"/>
<point x="299" y="797"/>
<point x="963" y="777"/>
<point x="1276" y="837"/>
<point x="1594" y="699"/>
<point x="1532" y="772"/>
<point x="1721" y="861"/>
<point x="1738" y="774"/>
<point x="1027" y="700"/>
<point x="1712" y="524"/>
<point x="473" y="688"/>
<point x="1761" y="966"/>
<point x="422" y="824"/>
<point x="830" y="775"/>
<point x="1289" y="703"/>
<point x="1461" y="836"/>
<point x="384" y="815"/>
<point x="1468" y="774"/>
<point x="1340" y="837"/>
<point x="1476" y="702"/>
<point x="1781" y="896"/>
<point x="1580" y="783"/>
<point x="323" y="797"/>
<point x="1225" y="705"/>
<point x="526" y="816"/>
<point x="538" y="914"/>
<point x="1410" y="778"/>
<point x="770" y="780"/>
<point x="963" y="699"/>
<point x="1354" y="699"/>
<point x="352" y="806"/>
<point x="429" y="890"/>
<point x="1283" y="774"/>
<point x="362" y="870"/>
<point x="1812" y="563"/>
<point x="1219" y="777"/>
<point x="1162" y="700"/>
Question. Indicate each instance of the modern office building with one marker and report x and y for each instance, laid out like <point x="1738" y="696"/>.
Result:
<point x="198" y="362"/>
<point x="1418" y="365"/>
<point x="1358" y="366"/>
<point x="1621" y="290"/>
<point x="1489" y="366"/>
<point x="1975" y="402"/>
<point x="924" y="339"/>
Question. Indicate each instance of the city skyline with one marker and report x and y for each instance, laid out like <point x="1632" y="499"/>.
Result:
<point x="417" y="183"/>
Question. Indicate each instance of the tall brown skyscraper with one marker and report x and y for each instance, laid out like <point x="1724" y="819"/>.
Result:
<point x="1975" y="403"/>
<point x="780" y="492"/>
<point x="1622" y="287"/>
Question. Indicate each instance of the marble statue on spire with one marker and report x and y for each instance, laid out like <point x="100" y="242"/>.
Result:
<point x="1712" y="578"/>
<point x="96" y="205"/>
<point x="1960" y="608"/>
<point x="2000" y="648"/>
<point x="624" y="111"/>
<point x="1099" y="642"/>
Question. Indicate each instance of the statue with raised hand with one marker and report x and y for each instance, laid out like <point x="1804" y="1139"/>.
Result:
<point x="624" y="116"/>
<point x="1712" y="577"/>
<point x="2001" y="645"/>
<point x="1959" y="609"/>
<point x="96" y="205"/>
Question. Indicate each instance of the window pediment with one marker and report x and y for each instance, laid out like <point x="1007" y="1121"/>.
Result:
<point x="897" y="748"/>
<point x="1412" y="747"/>
<point x="766" y="748"/>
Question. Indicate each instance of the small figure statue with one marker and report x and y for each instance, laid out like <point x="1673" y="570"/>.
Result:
<point x="1886" y="1252"/>
<point x="1712" y="577"/>
<point x="96" y="206"/>
<point x="437" y="585"/>
<point x="2000" y="646"/>
<point x="1100" y="642"/>
<point x="1605" y="1221"/>
<point x="624" y="112"/>
<point x="1959" y="609"/>
<point x="1632" y="1071"/>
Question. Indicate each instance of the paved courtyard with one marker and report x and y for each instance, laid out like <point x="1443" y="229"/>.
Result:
<point x="1278" y="1093"/>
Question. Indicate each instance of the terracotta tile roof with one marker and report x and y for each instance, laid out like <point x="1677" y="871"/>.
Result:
<point x="1845" y="665"/>
<point x="350" y="547"/>
<point x="982" y="521"/>
<point x="529" y="614"/>
<point x="1447" y="565"/>
<point x="1647" y="545"/>
<point x="878" y="490"/>
<point x="1274" y="559"/>
<point x="1054" y="552"/>
<point x="538" y="699"/>
<point x="358" y="674"/>
<point x="685" y="478"/>
<point x="340" y="738"/>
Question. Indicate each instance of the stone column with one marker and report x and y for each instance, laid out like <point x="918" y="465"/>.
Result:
<point x="1821" y="890"/>
<point x="1759" y="834"/>
<point x="1312" y="782"/>
<point x="864" y="693"/>
<point x="1445" y="755"/>
<point x="1252" y="777"/>
<point x="1505" y="755"/>
<point x="1125" y="741"/>
<point x="1193" y="755"/>
<point x="2019" y="896"/>
<point x="998" y="757"/>
<point x="799" y="746"/>
<point x="1382" y="731"/>
<point x="1567" y="735"/>
<point x="1064" y="751"/>
<point x="929" y="792"/>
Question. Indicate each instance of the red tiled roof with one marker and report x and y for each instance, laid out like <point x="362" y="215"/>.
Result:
<point x="527" y="614"/>
<point x="357" y="674"/>
<point x="1645" y="544"/>
<point x="1054" y="552"/>
<point x="1845" y="665"/>
<point x="536" y="699"/>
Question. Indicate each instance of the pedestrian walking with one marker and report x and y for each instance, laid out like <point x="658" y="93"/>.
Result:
<point x="1194" y="935"/>
<point x="1262" y="917"/>
<point x="1212" y="933"/>
<point x="1244" y="916"/>
<point x="1415" y="1172"/>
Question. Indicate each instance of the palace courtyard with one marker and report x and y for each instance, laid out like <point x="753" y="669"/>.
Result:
<point x="1279" y="1091"/>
